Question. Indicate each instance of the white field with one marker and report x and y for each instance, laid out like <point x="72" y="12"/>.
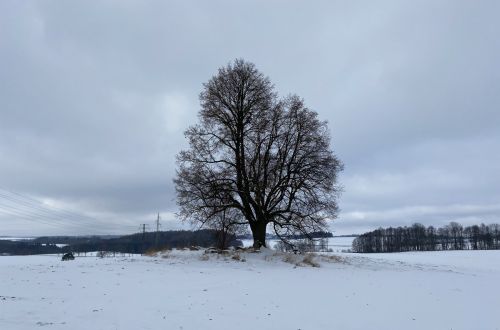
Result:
<point x="426" y="290"/>
<point x="336" y="244"/>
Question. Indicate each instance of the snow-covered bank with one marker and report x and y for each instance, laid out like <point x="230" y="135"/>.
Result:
<point x="441" y="290"/>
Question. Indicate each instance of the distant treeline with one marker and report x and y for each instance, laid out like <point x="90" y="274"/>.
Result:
<point x="420" y="238"/>
<point x="136" y="243"/>
<point x="26" y="247"/>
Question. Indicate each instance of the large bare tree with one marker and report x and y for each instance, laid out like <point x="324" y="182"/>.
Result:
<point x="262" y="159"/>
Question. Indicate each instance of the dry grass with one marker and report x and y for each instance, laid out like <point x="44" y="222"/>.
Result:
<point x="151" y="253"/>
<point x="290" y="258"/>
<point x="249" y="249"/>
<point x="237" y="256"/>
<point x="333" y="259"/>
<point x="204" y="257"/>
<point x="154" y="252"/>
<point x="309" y="260"/>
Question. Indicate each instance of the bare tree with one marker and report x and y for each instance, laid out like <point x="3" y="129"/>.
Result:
<point x="227" y="224"/>
<point x="267" y="159"/>
<point x="419" y="238"/>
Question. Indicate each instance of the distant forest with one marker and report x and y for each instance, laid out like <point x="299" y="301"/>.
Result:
<point x="420" y="238"/>
<point x="136" y="243"/>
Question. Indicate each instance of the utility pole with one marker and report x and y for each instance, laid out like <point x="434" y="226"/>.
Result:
<point x="157" y="229"/>
<point x="143" y="226"/>
<point x="143" y="230"/>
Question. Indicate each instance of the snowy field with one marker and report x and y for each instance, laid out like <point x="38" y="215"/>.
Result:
<point x="426" y="290"/>
<point x="336" y="244"/>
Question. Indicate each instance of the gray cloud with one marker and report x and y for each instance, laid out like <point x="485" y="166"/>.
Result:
<point x="94" y="98"/>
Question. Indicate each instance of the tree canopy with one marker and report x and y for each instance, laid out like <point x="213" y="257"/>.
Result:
<point x="257" y="158"/>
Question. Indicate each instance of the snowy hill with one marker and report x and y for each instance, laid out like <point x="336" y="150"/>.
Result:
<point x="434" y="290"/>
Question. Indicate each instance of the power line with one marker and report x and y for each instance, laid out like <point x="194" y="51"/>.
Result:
<point x="30" y="209"/>
<point x="39" y="211"/>
<point x="33" y="213"/>
<point x="23" y="215"/>
<point x="43" y="219"/>
<point x="36" y="203"/>
<point x="39" y="218"/>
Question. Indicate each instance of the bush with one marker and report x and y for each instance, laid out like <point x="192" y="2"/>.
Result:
<point x="102" y="254"/>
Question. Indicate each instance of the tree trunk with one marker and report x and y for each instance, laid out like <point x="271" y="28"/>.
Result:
<point x="259" y="234"/>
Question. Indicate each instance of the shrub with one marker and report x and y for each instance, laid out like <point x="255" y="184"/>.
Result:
<point x="102" y="254"/>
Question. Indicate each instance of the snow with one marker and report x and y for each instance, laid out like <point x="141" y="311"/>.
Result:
<point x="336" y="244"/>
<point x="9" y="238"/>
<point x="424" y="290"/>
<point x="340" y="244"/>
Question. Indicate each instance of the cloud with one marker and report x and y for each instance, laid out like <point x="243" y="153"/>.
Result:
<point x="429" y="215"/>
<point x="94" y="98"/>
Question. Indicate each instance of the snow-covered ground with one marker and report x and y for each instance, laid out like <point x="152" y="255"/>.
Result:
<point x="11" y="238"/>
<point x="336" y="244"/>
<point x="425" y="290"/>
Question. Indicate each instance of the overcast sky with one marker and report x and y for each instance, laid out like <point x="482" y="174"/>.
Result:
<point x="95" y="96"/>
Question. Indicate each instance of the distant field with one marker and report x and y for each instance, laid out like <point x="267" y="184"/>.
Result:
<point x="8" y="238"/>
<point x="337" y="244"/>
<point x="425" y="290"/>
